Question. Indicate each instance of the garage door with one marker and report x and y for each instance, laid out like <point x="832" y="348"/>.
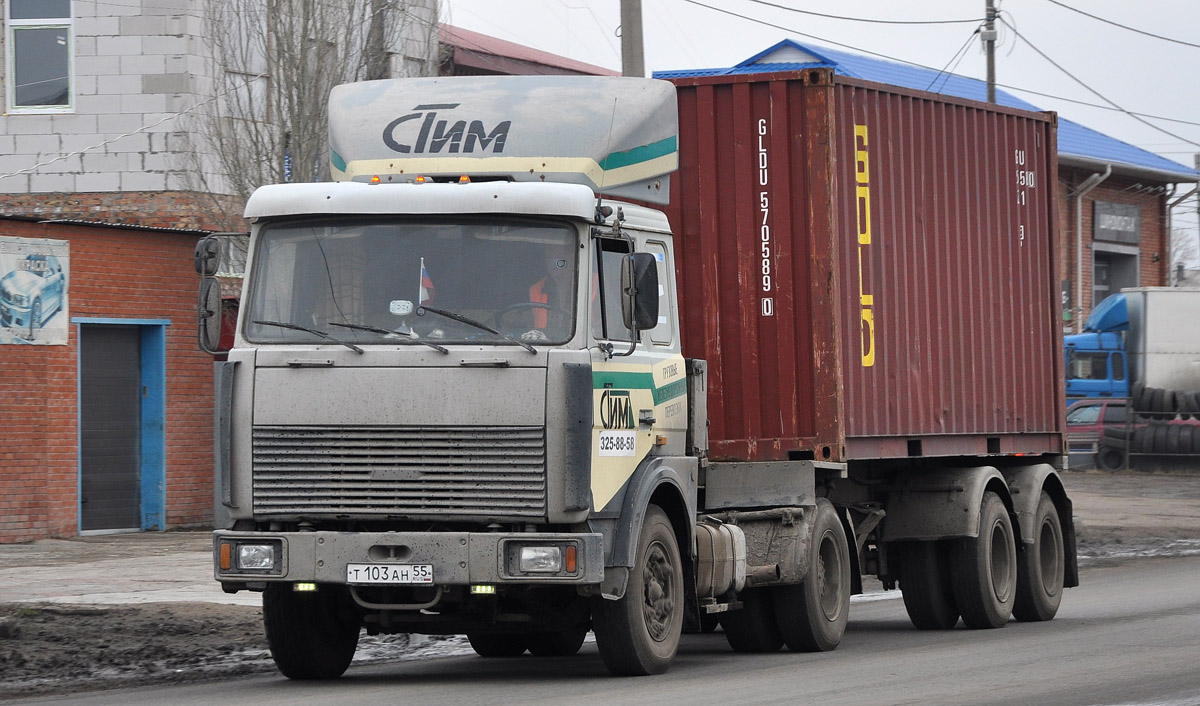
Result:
<point x="110" y="427"/>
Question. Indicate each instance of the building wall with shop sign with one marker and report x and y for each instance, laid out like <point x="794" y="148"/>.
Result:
<point x="1146" y="252"/>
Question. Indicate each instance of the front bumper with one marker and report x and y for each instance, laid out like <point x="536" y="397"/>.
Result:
<point x="12" y="315"/>
<point x="458" y="558"/>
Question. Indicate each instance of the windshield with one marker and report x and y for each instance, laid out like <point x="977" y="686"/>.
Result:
<point x="401" y="281"/>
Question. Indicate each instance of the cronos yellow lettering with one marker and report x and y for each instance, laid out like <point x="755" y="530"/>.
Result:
<point x="862" y="191"/>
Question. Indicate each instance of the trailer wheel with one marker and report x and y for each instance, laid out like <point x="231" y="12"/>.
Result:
<point x="560" y="643"/>
<point x="639" y="633"/>
<point x="1040" y="567"/>
<point x="312" y="635"/>
<point x="812" y="615"/>
<point x="492" y="644"/>
<point x="984" y="568"/>
<point x="1109" y="459"/>
<point x="925" y="585"/>
<point x="754" y="628"/>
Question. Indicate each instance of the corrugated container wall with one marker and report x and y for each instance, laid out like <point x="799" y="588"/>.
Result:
<point x="869" y="271"/>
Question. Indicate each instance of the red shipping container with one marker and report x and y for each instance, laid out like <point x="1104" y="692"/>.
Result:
<point x="875" y="269"/>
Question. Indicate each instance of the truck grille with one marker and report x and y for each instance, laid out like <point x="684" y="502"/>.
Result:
<point x="448" y="472"/>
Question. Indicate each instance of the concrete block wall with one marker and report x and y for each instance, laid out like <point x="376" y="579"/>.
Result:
<point x="135" y="64"/>
<point x="117" y="273"/>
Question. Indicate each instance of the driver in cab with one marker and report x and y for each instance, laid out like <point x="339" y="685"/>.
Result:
<point x="550" y="298"/>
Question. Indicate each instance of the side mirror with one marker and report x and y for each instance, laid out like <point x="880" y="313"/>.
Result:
<point x="209" y="316"/>
<point x="208" y="256"/>
<point x="639" y="291"/>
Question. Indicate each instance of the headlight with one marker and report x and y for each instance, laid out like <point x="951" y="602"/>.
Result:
<point x="541" y="559"/>
<point x="258" y="557"/>
<point x="251" y="556"/>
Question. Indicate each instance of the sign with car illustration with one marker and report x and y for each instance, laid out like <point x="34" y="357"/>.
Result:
<point x="33" y="291"/>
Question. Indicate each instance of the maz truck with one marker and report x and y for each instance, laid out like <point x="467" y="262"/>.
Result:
<point x="1140" y="351"/>
<point x="559" y="354"/>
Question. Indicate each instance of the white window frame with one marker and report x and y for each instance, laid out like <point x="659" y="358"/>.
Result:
<point x="12" y="26"/>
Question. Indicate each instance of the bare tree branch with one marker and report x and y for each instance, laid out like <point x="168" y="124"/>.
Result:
<point x="273" y="64"/>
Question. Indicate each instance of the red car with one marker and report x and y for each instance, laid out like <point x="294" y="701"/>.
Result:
<point x="1102" y="427"/>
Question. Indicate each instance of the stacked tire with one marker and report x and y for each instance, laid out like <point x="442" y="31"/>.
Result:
<point x="1157" y="403"/>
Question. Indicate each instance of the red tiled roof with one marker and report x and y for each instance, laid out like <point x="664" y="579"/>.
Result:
<point x="474" y="50"/>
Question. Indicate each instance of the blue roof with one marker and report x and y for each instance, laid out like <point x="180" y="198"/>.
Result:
<point x="1074" y="140"/>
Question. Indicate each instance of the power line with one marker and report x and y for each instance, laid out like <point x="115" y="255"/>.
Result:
<point x="1094" y="91"/>
<point x="1118" y="24"/>
<point x="958" y="56"/>
<point x="599" y="25"/>
<point x="930" y="68"/>
<point x="865" y="19"/>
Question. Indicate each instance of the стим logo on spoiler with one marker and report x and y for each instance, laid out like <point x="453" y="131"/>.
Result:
<point x="434" y="135"/>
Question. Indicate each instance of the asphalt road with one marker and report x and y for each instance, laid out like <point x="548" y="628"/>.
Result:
<point x="1130" y="635"/>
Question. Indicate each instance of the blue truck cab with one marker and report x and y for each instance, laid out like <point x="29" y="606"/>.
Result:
<point x="1097" y="360"/>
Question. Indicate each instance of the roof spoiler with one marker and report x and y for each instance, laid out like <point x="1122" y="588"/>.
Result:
<point x="616" y="135"/>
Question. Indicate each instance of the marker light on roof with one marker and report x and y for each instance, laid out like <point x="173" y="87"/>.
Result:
<point x="464" y="179"/>
<point x="419" y="180"/>
<point x="375" y="179"/>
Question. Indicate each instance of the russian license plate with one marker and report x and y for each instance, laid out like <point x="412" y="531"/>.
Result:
<point x="389" y="573"/>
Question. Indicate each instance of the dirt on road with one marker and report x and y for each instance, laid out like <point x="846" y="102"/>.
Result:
<point x="65" y="648"/>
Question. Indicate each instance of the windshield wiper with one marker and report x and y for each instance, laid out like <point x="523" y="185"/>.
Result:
<point x="394" y="335"/>
<point x="315" y="332"/>
<point x="472" y="322"/>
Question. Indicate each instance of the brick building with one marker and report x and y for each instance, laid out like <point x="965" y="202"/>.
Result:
<point x="107" y="403"/>
<point x="1113" y="197"/>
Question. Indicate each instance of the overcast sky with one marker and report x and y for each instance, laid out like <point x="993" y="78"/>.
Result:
<point x="1140" y="73"/>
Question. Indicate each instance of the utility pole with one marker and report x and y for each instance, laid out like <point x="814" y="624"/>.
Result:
<point x="989" y="45"/>
<point x="633" y="60"/>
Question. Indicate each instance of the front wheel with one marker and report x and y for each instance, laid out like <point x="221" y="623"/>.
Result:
<point x="312" y="634"/>
<point x="639" y="633"/>
<point x="1040" y="567"/>
<point x="984" y="568"/>
<point x="812" y="615"/>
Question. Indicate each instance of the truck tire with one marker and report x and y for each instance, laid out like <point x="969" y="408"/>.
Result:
<point x="1159" y="445"/>
<point x="1116" y="438"/>
<point x="925" y="585"/>
<point x="639" y="633"/>
<point x="1163" y="403"/>
<point x="1110" y="459"/>
<point x="1183" y="401"/>
<point x="983" y="569"/>
<point x="1141" y="441"/>
<point x="312" y="634"/>
<point x="753" y="629"/>
<point x="492" y="644"/>
<point x="1173" y="432"/>
<point x="561" y="643"/>
<point x="1040" y="567"/>
<point x="1138" y="396"/>
<point x="812" y="614"/>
